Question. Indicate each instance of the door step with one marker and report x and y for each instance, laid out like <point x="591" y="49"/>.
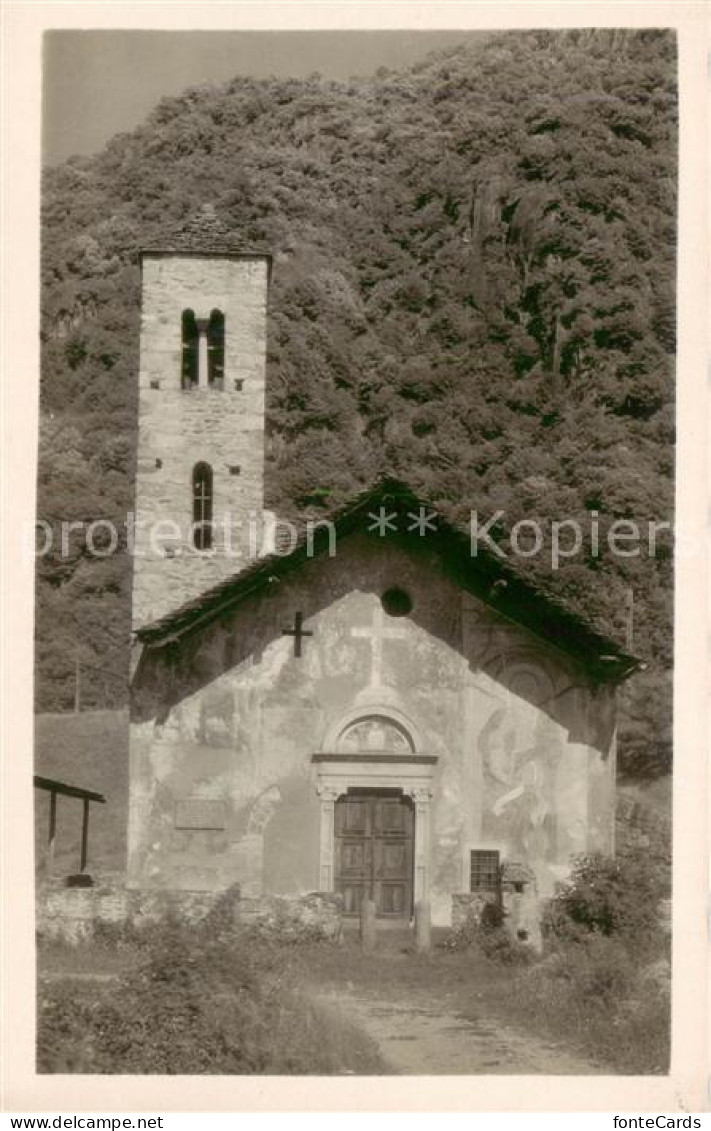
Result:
<point x="390" y="936"/>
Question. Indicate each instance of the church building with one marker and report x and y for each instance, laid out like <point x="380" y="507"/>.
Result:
<point x="372" y="709"/>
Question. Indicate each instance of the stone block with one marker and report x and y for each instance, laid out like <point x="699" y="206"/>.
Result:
<point x="423" y="927"/>
<point x="368" y="928"/>
<point x="467" y="907"/>
<point x="316" y="917"/>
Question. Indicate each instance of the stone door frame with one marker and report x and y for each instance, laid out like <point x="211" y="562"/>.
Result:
<point x="411" y="776"/>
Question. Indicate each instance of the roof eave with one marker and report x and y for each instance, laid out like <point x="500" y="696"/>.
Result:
<point x="600" y="656"/>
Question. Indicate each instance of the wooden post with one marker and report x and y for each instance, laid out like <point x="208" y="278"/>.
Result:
<point x="423" y="927"/>
<point x="84" y="835"/>
<point x="367" y="925"/>
<point x="52" y="830"/>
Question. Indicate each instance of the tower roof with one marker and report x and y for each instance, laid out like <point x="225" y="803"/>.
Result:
<point x="202" y="233"/>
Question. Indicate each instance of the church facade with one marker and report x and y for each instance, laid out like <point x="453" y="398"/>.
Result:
<point x="373" y="711"/>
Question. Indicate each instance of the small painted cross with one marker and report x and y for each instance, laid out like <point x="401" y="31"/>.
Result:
<point x="298" y="632"/>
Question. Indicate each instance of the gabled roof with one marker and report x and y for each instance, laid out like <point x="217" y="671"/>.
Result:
<point x="486" y="576"/>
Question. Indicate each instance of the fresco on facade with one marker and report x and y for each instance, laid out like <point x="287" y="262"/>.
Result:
<point x="374" y="733"/>
<point x="520" y="748"/>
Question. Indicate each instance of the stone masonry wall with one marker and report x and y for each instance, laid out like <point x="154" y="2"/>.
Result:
<point x="178" y="428"/>
<point x="468" y="906"/>
<point x="73" y="915"/>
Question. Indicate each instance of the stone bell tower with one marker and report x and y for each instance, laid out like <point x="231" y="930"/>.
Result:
<point x="200" y="473"/>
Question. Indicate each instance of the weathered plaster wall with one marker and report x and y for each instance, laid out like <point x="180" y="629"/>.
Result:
<point x="525" y="748"/>
<point x="178" y="428"/>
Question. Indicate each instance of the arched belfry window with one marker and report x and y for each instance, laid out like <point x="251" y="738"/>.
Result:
<point x="190" y="350"/>
<point x="202" y="506"/>
<point x="216" y="349"/>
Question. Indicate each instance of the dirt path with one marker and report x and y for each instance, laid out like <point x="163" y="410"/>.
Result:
<point x="428" y="1037"/>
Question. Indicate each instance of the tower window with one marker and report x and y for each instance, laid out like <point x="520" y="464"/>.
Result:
<point x="190" y="350"/>
<point x="216" y="349"/>
<point x="202" y="506"/>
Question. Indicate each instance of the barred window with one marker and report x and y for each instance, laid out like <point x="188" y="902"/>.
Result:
<point x="484" y="874"/>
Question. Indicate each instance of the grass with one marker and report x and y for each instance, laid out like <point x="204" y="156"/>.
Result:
<point x="90" y="750"/>
<point x="177" y="1002"/>
<point x="605" y="1001"/>
<point x="606" y="978"/>
<point x="396" y="968"/>
<point x="58" y="959"/>
<point x="189" y="1002"/>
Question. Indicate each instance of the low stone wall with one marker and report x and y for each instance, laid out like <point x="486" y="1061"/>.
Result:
<point x="517" y="902"/>
<point x="522" y="918"/>
<point x="73" y="914"/>
<point x="76" y="914"/>
<point x="70" y="914"/>
<point x="316" y="916"/>
<point x="467" y="907"/>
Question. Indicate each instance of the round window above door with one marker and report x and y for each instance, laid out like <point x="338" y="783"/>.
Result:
<point x="396" y="602"/>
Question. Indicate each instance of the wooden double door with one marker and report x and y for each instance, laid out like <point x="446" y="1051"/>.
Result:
<point x="374" y="844"/>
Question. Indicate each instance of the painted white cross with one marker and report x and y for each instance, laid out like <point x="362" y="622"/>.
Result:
<point x="381" y="628"/>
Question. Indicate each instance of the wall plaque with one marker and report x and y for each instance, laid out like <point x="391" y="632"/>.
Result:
<point x="199" y="813"/>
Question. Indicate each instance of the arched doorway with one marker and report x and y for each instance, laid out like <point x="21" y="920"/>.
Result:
<point x="375" y="785"/>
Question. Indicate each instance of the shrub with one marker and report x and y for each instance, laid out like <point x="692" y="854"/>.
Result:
<point x="600" y="970"/>
<point x="605" y="980"/>
<point x="597" y="993"/>
<point x="608" y="897"/>
<point x="487" y="934"/>
<point x="498" y="946"/>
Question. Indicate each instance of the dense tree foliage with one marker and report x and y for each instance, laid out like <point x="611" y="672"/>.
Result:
<point x="473" y="290"/>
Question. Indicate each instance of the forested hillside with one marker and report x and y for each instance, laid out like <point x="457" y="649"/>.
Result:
<point x="473" y="290"/>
